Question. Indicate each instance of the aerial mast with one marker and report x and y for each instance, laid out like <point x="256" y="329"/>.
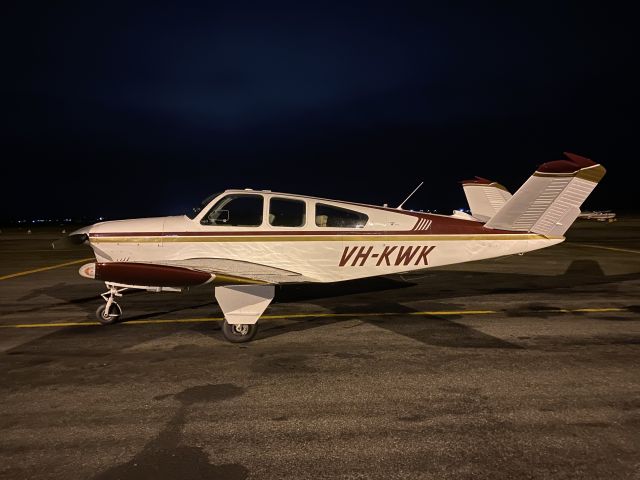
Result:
<point x="399" y="207"/>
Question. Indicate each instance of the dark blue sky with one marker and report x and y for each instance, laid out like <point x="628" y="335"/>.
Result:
<point x="118" y="109"/>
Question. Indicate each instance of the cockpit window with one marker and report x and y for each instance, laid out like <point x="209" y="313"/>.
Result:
<point x="196" y="210"/>
<point x="329" y="216"/>
<point x="237" y="210"/>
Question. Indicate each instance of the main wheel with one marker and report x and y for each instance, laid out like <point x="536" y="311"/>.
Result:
<point x="239" y="333"/>
<point x="108" y="317"/>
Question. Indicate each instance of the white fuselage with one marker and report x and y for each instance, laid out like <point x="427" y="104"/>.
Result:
<point x="392" y="241"/>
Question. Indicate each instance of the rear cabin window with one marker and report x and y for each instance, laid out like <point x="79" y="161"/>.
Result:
<point x="236" y="211"/>
<point x="284" y="212"/>
<point x="328" y="216"/>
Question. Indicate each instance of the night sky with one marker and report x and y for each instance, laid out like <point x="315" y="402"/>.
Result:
<point x="122" y="110"/>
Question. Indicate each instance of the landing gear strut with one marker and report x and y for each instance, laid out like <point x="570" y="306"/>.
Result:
<point x="111" y="311"/>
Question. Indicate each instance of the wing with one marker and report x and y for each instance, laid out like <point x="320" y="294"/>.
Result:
<point x="186" y="273"/>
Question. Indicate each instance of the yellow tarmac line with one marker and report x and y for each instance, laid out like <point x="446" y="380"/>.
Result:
<point x="456" y="312"/>
<point x="51" y="267"/>
<point x="598" y="310"/>
<point x="435" y="313"/>
<point x="95" y="324"/>
<point x="614" y="249"/>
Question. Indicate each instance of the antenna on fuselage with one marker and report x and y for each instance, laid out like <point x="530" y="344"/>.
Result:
<point x="410" y="195"/>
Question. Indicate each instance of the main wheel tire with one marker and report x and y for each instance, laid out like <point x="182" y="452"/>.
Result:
<point x="239" y="333"/>
<point x="110" y="317"/>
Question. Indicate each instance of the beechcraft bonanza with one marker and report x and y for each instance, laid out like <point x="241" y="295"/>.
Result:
<point x="245" y="242"/>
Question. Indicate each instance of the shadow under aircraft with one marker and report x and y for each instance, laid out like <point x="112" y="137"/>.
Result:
<point x="382" y="301"/>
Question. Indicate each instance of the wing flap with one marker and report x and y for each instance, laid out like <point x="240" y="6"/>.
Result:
<point x="224" y="267"/>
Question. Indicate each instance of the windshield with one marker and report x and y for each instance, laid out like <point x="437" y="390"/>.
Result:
<point x="237" y="210"/>
<point x="196" y="210"/>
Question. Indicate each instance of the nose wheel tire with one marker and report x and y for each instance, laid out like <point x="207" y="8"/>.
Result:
<point x="108" y="317"/>
<point x="239" y="333"/>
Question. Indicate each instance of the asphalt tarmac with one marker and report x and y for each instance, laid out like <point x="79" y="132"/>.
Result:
<point x="518" y="367"/>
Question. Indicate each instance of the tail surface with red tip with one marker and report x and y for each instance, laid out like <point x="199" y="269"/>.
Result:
<point x="485" y="198"/>
<point x="549" y="201"/>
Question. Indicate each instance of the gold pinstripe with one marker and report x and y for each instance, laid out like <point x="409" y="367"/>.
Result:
<point x="492" y="184"/>
<point x="312" y="238"/>
<point x="221" y="279"/>
<point x="593" y="174"/>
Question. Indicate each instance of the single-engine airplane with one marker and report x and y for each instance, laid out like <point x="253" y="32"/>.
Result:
<point x="244" y="242"/>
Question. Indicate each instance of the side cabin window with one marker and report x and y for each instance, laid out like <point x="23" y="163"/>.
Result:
<point x="237" y="210"/>
<point x="285" y="212"/>
<point x="329" y="216"/>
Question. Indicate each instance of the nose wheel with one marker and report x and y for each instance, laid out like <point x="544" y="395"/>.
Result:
<point x="110" y="312"/>
<point x="239" y="333"/>
<point x="108" y="316"/>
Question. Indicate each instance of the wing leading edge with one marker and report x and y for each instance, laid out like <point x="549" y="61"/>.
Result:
<point x="186" y="274"/>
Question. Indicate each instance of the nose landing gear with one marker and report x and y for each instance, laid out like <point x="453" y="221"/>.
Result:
<point x="111" y="311"/>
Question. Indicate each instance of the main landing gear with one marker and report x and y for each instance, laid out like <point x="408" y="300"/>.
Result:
<point x="242" y="305"/>
<point x="111" y="311"/>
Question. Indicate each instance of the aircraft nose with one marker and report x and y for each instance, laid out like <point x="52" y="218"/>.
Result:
<point x="77" y="237"/>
